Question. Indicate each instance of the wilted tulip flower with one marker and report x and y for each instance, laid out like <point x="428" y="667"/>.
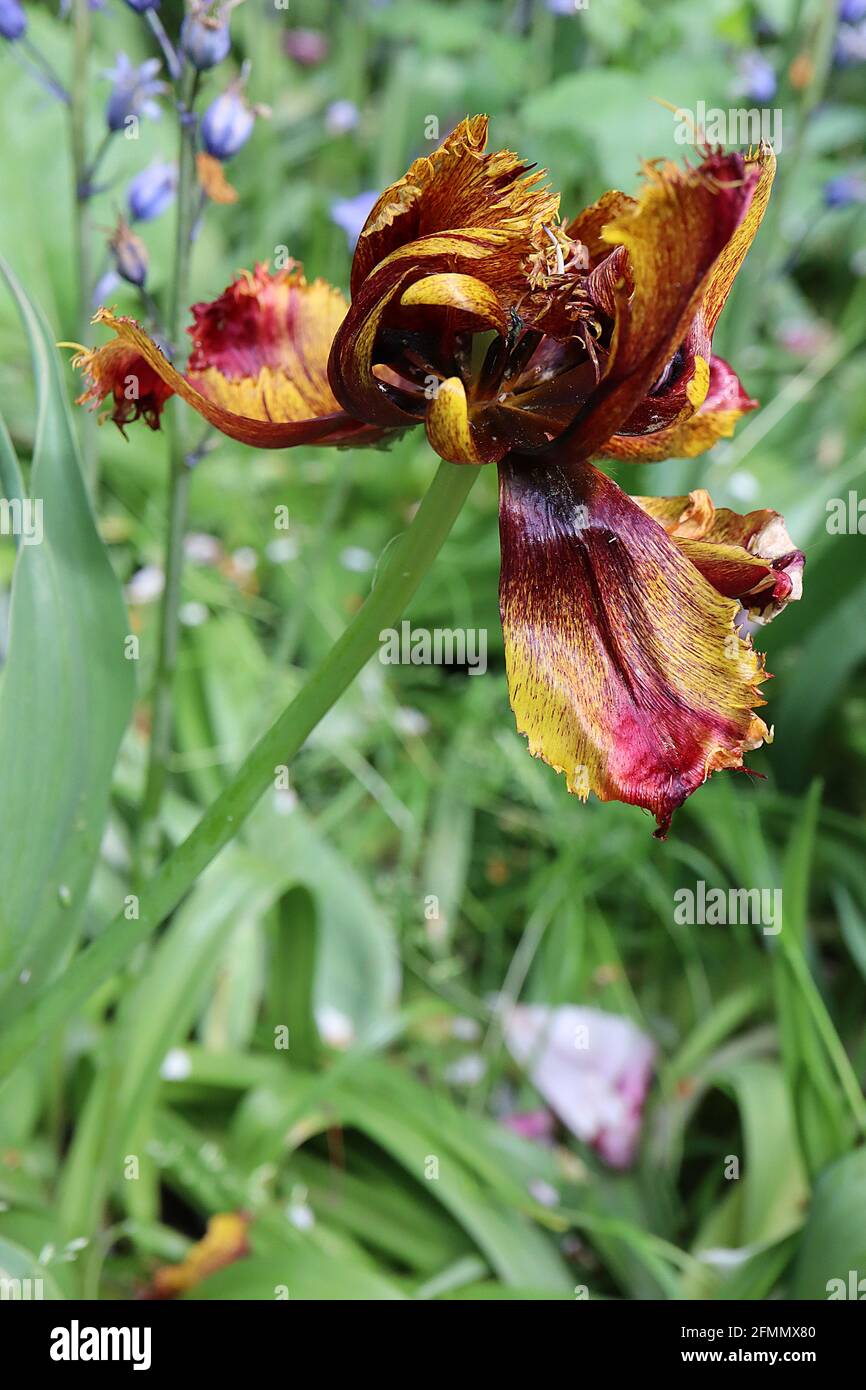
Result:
<point x="537" y="345"/>
<point x="151" y="191"/>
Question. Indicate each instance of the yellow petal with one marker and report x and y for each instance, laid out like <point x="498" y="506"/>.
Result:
<point x="463" y="293"/>
<point x="449" y="430"/>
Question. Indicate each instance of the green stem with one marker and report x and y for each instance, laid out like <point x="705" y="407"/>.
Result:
<point x="83" y="231"/>
<point x="405" y="565"/>
<point x="149" y="832"/>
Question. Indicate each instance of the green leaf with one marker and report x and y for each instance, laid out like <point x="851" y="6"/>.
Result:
<point x="32" y="1279"/>
<point x="292" y="973"/>
<point x="66" y="693"/>
<point x="834" y="1241"/>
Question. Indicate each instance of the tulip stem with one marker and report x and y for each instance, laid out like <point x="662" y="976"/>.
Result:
<point x="149" y="836"/>
<point x="404" y="566"/>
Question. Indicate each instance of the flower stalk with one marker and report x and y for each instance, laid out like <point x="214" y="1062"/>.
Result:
<point x="149" y="836"/>
<point x="79" y="90"/>
<point x="404" y="566"/>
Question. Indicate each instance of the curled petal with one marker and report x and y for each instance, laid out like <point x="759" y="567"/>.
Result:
<point x="450" y="431"/>
<point x="715" y="419"/>
<point x="458" y="186"/>
<point x="257" y="370"/>
<point x="751" y="558"/>
<point x="353" y="361"/>
<point x="759" y="171"/>
<point x="118" y="370"/>
<point x="678" y="236"/>
<point x="624" y="667"/>
<point x="463" y="294"/>
<point x="588" y="227"/>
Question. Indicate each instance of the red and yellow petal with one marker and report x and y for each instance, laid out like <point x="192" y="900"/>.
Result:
<point x="751" y="558"/>
<point x="588" y="227"/>
<point x="724" y="404"/>
<point x="258" y="368"/>
<point x="685" y="237"/>
<point x="624" y="667"/>
<point x="759" y="171"/>
<point x="118" y="370"/>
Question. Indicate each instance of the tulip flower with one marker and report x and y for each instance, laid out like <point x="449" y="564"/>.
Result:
<point x="538" y="345"/>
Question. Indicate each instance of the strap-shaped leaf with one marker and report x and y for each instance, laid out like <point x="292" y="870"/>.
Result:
<point x="65" y="696"/>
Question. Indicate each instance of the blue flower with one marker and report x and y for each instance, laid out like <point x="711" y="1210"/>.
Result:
<point x="845" y="189"/>
<point x="227" y="123"/>
<point x="852" y="11"/>
<point x="850" y="45"/>
<point x="104" y="288"/>
<point x="151" y="191"/>
<point x="142" y="6"/>
<point x="205" y="37"/>
<point x="351" y="213"/>
<point x="13" y="20"/>
<point x="132" y="92"/>
<point x="756" y="78"/>
<point x="341" y="117"/>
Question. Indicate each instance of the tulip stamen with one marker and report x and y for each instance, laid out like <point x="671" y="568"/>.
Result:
<point x="560" y="261"/>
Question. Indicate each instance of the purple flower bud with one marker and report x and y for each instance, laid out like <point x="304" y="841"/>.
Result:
<point x="227" y="124"/>
<point x="341" y="117"/>
<point x="205" y="39"/>
<point x="13" y="20"/>
<point x="352" y="213"/>
<point x="309" y="47"/>
<point x="141" y="6"/>
<point x="130" y="254"/>
<point x="844" y="190"/>
<point x="852" y="11"/>
<point x="151" y="191"/>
